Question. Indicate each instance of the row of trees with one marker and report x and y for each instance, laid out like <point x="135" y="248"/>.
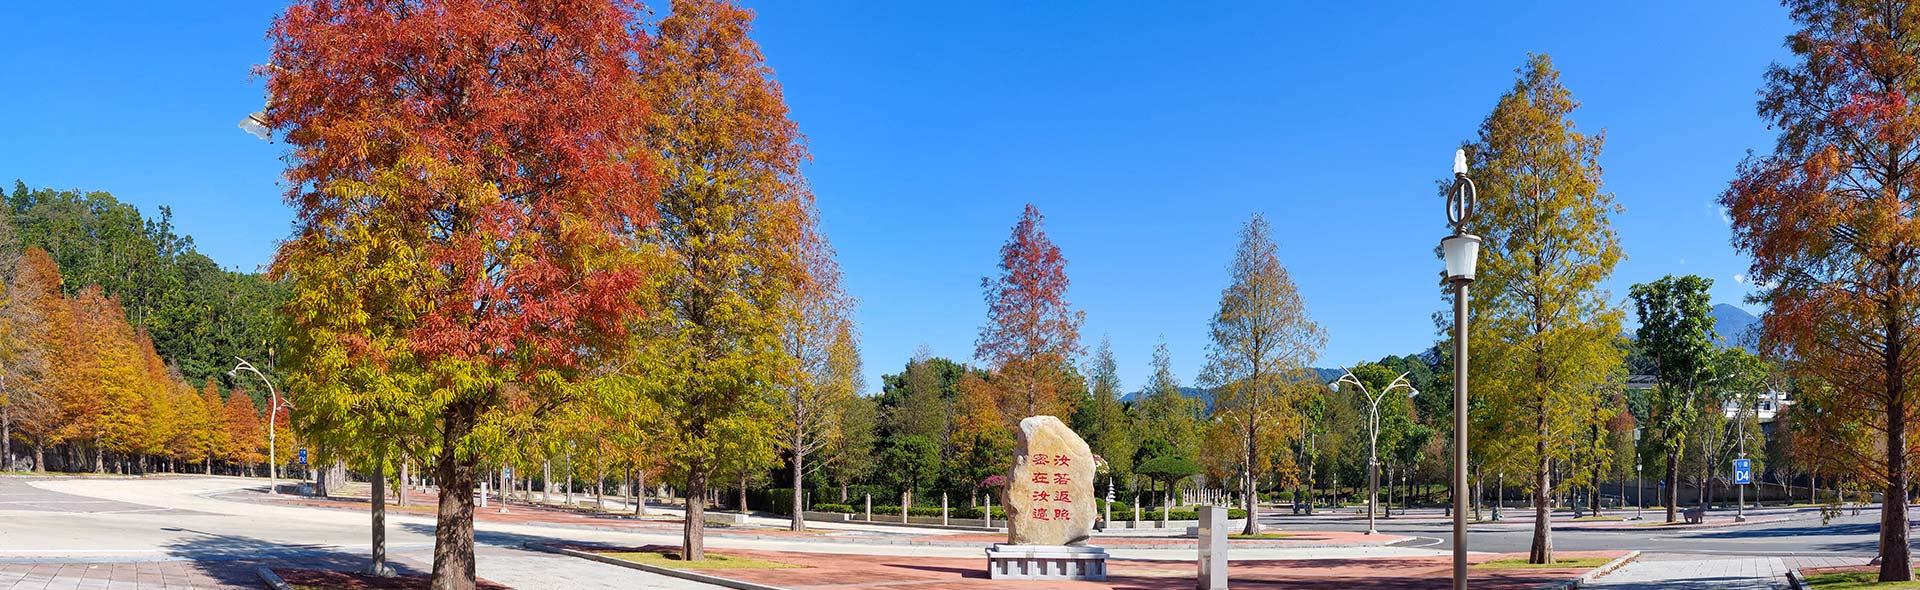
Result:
<point x="527" y="231"/>
<point x="86" y="390"/>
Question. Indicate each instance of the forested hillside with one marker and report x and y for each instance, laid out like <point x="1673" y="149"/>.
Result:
<point x="199" y="315"/>
<point x="115" y="340"/>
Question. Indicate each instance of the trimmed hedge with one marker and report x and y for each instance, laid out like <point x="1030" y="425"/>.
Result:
<point x="1235" y="513"/>
<point x="836" y="508"/>
<point x="975" y="512"/>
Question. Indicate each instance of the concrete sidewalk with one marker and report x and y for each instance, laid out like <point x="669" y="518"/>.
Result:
<point x="1653" y="573"/>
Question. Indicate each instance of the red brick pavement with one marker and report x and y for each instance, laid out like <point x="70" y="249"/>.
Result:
<point x="156" y="575"/>
<point x="826" y="571"/>
<point x="1297" y="539"/>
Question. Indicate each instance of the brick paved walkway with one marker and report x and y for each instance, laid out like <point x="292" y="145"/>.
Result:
<point x="846" y="572"/>
<point x="169" y="575"/>
<point x="1766" y="573"/>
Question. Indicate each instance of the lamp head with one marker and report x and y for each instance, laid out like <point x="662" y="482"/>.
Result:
<point x="1460" y="161"/>
<point x="1462" y="254"/>
<point x="256" y="124"/>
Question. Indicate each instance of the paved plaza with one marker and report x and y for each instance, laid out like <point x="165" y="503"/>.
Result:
<point x="212" y="532"/>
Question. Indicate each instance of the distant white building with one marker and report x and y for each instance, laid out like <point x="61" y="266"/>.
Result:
<point x="1769" y="405"/>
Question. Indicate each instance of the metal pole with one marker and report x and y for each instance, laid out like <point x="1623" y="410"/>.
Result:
<point x="1373" y="461"/>
<point x="1459" y="434"/>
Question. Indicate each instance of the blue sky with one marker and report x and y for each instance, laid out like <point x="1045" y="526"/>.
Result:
<point x="1147" y="133"/>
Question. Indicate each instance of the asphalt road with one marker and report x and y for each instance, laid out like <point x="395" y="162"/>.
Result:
<point x="1803" y="535"/>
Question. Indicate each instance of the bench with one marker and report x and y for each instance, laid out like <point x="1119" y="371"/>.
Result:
<point x="1694" y="515"/>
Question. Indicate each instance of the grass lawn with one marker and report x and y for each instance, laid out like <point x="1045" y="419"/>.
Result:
<point x="1849" y="580"/>
<point x="1261" y="536"/>
<point x="1520" y="563"/>
<point x="714" y="561"/>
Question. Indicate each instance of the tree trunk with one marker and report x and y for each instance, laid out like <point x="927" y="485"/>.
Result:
<point x="693" y="542"/>
<point x="1896" y="556"/>
<point x="1673" y="483"/>
<point x="453" y="530"/>
<point x="1542" y="551"/>
<point x="378" y="566"/>
<point x="1247" y="485"/>
<point x="39" y="457"/>
<point x="743" y="493"/>
<point x="546" y="482"/>
<point x="639" y="491"/>
<point x="799" y="522"/>
<point x="6" y="437"/>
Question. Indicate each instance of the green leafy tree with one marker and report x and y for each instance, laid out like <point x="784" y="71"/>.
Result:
<point x="1169" y="470"/>
<point x="1676" y="336"/>
<point x="907" y="462"/>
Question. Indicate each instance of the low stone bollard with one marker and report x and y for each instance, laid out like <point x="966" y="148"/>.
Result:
<point x="1213" y="548"/>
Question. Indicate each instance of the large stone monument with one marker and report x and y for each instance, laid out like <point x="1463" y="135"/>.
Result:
<point x="1050" y="508"/>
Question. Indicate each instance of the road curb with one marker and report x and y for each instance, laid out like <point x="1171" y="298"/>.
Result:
<point x="664" y="571"/>
<point x="272" y="579"/>
<point x="1589" y="577"/>
<point x="1795" y="580"/>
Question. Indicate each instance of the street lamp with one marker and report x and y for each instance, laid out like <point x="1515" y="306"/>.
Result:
<point x="1639" y="481"/>
<point x="1373" y="434"/>
<point x="273" y="408"/>
<point x="1460" y="251"/>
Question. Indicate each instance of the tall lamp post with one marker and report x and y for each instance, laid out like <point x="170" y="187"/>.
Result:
<point x="1639" y="480"/>
<point x="1373" y="434"/>
<point x="1461" y="251"/>
<point x="273" y="409"/>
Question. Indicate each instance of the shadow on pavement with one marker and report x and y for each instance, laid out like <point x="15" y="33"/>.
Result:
<point x="232" y="559"/>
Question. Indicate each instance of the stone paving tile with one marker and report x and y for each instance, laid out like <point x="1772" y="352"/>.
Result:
<point x="1766" y="573"/>
<point x="151" y="575"/>
<point x="529" y="570"/>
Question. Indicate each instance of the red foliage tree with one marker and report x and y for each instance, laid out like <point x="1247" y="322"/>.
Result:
<point x="496" y="144"/>
<point x="1031" y="336"/>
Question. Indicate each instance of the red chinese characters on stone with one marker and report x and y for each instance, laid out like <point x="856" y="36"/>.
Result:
<point x="1040" y="496"/>
<point x="1060" y="496"/>
<point x="1041" y="478"/>
<point x="1061" y="514"/>
<point x="1062" y="479"/>
<point x="1040" y="514"/>
<point x="1042" y="459"/>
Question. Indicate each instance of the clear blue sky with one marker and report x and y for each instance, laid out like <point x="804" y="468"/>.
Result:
<point x="1146" y="133"/>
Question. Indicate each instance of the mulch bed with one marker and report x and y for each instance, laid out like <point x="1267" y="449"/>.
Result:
<point x="337" y="580"/>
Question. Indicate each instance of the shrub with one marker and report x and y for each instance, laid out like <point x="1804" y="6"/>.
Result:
<point x="835" y="508"/>
<point x="975" y="512"/>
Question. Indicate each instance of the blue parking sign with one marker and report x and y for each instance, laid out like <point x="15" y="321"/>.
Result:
<point x="1742" y="471"/>
<point x="303" y="456"/>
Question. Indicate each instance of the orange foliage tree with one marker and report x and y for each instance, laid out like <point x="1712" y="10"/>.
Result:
<point x="1828" y="218"/>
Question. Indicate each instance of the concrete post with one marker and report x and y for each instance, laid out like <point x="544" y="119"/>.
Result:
<point x="869" y="498"/>
<point x="943" y="509"/>
<point x="483" y="494"/>
<point x="1213" y="548"/>
<point x="989" y="510"/>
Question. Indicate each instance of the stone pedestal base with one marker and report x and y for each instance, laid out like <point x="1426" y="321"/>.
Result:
<point x="1046" y="562"/>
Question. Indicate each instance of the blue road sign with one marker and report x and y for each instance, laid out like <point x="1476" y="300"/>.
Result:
<point x="1742" y="471"/>
<point x="303" y="456"/>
